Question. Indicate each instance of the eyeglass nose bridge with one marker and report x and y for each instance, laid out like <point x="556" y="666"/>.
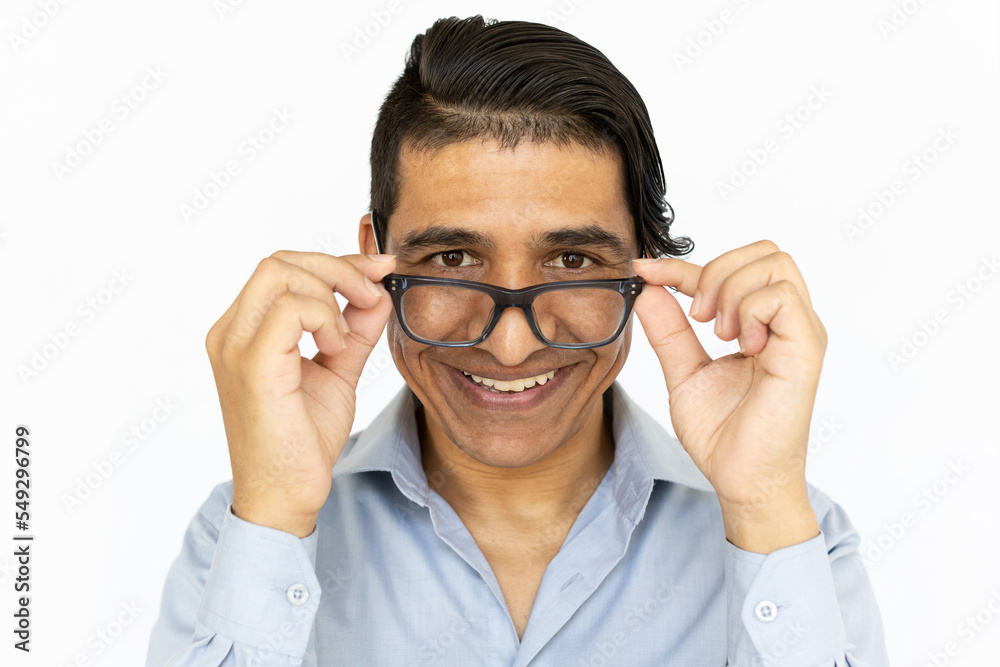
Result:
<point x="521" y="301"/>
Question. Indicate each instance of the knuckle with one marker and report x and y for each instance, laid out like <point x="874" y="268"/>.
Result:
<point x="268" y="265"/>
<point x="768" y="244"/>
<point x="211" y="338"/>
<point x="283" y="299"/>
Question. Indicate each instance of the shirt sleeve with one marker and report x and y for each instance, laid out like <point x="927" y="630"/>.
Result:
<point x="807" y="605"/>
<point x="237" y="594"/>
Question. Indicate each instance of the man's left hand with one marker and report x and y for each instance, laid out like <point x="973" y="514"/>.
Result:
<point x="743" y="418"/>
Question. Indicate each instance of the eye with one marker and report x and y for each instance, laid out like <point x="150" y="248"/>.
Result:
<point x="574" y="260"/>
<point x="451" y="258"/>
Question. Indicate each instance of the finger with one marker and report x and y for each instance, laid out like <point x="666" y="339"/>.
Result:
<point x="670" y="334"/>
<point x="310" y="274"/>
<point x="668" y="271"/>
<point x="367" y="325"/>
<point x="354" y="276"/>
<point x="776" y="322"/>
<point x="271" y="278"/>
<point x="705" y="290"/>
<point x="753" y="276"/>
<point x="281" y="330"/>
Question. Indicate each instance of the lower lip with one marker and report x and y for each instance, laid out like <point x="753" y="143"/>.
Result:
<point x="513" y="400"/>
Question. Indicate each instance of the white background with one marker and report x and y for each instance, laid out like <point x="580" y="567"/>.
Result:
<point x="893" y="429"/>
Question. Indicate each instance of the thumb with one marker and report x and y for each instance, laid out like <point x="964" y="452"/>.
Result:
<point x="670" y="334"/>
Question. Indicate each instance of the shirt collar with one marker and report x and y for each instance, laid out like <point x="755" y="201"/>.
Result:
<point x="644" y="451"/>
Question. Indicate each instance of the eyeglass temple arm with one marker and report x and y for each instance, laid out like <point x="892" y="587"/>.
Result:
<point x="376" y="230"/>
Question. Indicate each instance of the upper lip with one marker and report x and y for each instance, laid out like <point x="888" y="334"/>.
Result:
<point x="508" y="376"/>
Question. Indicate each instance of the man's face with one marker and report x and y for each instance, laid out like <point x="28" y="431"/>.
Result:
<point x="505" y="218"/>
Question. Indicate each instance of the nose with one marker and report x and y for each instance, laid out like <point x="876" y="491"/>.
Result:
<point x="512" y="341"/>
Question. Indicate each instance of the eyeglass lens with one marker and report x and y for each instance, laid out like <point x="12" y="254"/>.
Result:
<point x="454" y="314"/>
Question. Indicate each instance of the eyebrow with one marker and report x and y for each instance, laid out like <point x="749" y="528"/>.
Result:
<point x="592" y="235"/>
<point x="440" y="236"/>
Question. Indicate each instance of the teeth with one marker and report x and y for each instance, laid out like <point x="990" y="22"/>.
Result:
<point x="512" y="385"/>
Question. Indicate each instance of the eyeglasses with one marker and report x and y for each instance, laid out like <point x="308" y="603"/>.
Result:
<point x="570" y="314"/>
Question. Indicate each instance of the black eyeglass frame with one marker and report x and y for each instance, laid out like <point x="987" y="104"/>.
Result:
<point x="397" y="284"/>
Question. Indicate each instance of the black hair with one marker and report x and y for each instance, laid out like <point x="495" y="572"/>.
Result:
<point x="512" y="80"/>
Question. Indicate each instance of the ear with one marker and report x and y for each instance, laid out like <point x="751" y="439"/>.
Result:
<point x="366" y="235"/>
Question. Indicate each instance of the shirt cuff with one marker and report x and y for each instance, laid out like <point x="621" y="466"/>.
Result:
<point x="782" y="607"/>
<point x="262" y="589"/>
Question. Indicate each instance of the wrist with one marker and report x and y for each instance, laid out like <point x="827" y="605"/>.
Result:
<point x="299" y="526"/>
<point x="782" y="521"/>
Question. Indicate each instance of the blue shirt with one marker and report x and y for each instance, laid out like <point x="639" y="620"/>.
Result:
<point x="391" y="576"/>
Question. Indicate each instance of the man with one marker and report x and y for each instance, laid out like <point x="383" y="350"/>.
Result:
<point x="532" y="513"/>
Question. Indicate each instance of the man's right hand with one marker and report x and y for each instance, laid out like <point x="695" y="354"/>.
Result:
<point x="287" y="418"/>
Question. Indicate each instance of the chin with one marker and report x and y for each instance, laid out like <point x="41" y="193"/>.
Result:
<point x="502" y="450"/>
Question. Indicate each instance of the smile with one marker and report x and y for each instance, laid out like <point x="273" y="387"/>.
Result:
<point x="501" y="386"/>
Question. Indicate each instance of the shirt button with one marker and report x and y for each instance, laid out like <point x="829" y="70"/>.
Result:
<point x="297" y="594"/>
<point x="766" y="611"/>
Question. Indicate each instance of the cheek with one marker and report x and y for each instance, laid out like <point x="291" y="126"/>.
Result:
<point x="405" y="351"/>
<point x="611" y="358"/>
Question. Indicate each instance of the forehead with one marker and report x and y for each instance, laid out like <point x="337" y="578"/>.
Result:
<point x="510" y="192"/>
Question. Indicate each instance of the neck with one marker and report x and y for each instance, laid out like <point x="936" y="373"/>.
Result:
<point x="558" y="485"/>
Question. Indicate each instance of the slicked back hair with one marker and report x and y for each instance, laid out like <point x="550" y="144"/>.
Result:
<point x="516" y="80"/>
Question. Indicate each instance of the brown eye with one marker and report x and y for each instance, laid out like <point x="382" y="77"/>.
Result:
<point x="573" y="260"/>
<point x="451" y="258"/>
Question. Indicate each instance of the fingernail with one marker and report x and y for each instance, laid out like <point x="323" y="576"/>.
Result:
<point x="695" y="304"/>
<point x="382" y="258"/>
<point x="718" y="323"/>
<point x="373" y="288"/>
<point x="644" y="260"/>
<point x="343" y="324"/>
<point x="343" y="343"/>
